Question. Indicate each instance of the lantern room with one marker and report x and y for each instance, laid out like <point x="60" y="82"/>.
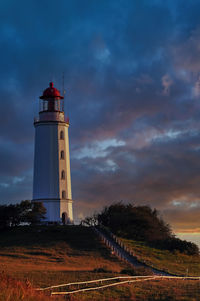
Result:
<point x="51" y="100"/>
<point x="51" y="106"/>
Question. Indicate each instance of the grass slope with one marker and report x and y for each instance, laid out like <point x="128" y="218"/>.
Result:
<point x="172" y="262"/>
<point x="55" y="255"/>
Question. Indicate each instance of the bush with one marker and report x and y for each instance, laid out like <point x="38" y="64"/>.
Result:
<point x="130" y="272"/>
<point x="139" y="271"/>
<point x="101" y="270"/>
<point x="174" y="243"/>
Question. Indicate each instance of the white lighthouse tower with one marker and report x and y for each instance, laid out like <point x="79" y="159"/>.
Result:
<point x="52" y="178"/>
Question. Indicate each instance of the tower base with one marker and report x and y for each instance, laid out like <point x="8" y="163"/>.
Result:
<point x="57" y="210"/>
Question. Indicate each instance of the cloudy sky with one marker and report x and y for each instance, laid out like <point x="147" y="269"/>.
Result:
<point x="132" y="80"/>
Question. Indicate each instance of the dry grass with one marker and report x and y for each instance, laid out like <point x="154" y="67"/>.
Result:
<point x="167" y="290"/>
<point x="53" y="255"/>
<point x="13" y="290"/>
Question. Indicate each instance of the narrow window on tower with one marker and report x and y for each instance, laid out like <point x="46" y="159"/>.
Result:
<point x="62" y="135"/>
<point x="63" y="175"/>
<point x="62" y="155"/>
<point x="63" y="194"/>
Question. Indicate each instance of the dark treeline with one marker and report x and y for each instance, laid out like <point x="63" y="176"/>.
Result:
<point x="140" y="223"/>
<point x="25" y="212"/>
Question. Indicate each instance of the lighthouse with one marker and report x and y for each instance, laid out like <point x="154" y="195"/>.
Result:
<point x="52" y="178"/>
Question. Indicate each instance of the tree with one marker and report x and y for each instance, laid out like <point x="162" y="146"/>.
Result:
<point x="10" y="215"/>
<point x="134" y="222"/>
<point x="4" y="217"/>
<point x="25" y="212"/>
<point x="90" y="220"/>
<point x="36" y="213"/>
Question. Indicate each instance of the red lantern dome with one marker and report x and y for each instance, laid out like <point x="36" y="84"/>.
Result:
<point x="51" y="92"/>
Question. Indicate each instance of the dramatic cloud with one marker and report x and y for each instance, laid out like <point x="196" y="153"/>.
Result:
<point x="132" y="94"/>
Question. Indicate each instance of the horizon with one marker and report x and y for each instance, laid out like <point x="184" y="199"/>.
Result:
<point x="193" y="237"/>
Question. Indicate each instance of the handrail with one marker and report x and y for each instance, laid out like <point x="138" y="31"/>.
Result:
<point x="126" y="250"/>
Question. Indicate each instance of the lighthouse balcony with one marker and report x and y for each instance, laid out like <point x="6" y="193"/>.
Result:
<point x="51" y="116"/>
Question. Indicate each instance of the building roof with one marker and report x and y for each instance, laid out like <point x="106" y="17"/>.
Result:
<point x="51" y="92"/>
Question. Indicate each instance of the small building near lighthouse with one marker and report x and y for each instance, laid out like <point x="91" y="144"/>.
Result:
<point x="52" y="177"/>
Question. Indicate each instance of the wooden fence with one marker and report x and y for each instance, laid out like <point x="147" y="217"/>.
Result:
<point x="118" y="281"/>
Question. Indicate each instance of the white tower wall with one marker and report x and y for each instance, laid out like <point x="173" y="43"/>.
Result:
<point x="52" y="177"/>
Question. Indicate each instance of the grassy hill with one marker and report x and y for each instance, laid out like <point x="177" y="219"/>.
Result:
<point x="173" y="262"/>
<point x="54" y="255"/>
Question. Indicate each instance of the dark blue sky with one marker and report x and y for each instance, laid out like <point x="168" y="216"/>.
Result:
<point x="132" y="80"/>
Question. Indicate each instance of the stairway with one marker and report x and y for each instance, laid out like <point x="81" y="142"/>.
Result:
<point x="124" y="253"/>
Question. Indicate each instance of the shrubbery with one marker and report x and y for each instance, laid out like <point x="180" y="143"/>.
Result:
<point x="174" y="243"/>
<point x="25" y="212"/>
